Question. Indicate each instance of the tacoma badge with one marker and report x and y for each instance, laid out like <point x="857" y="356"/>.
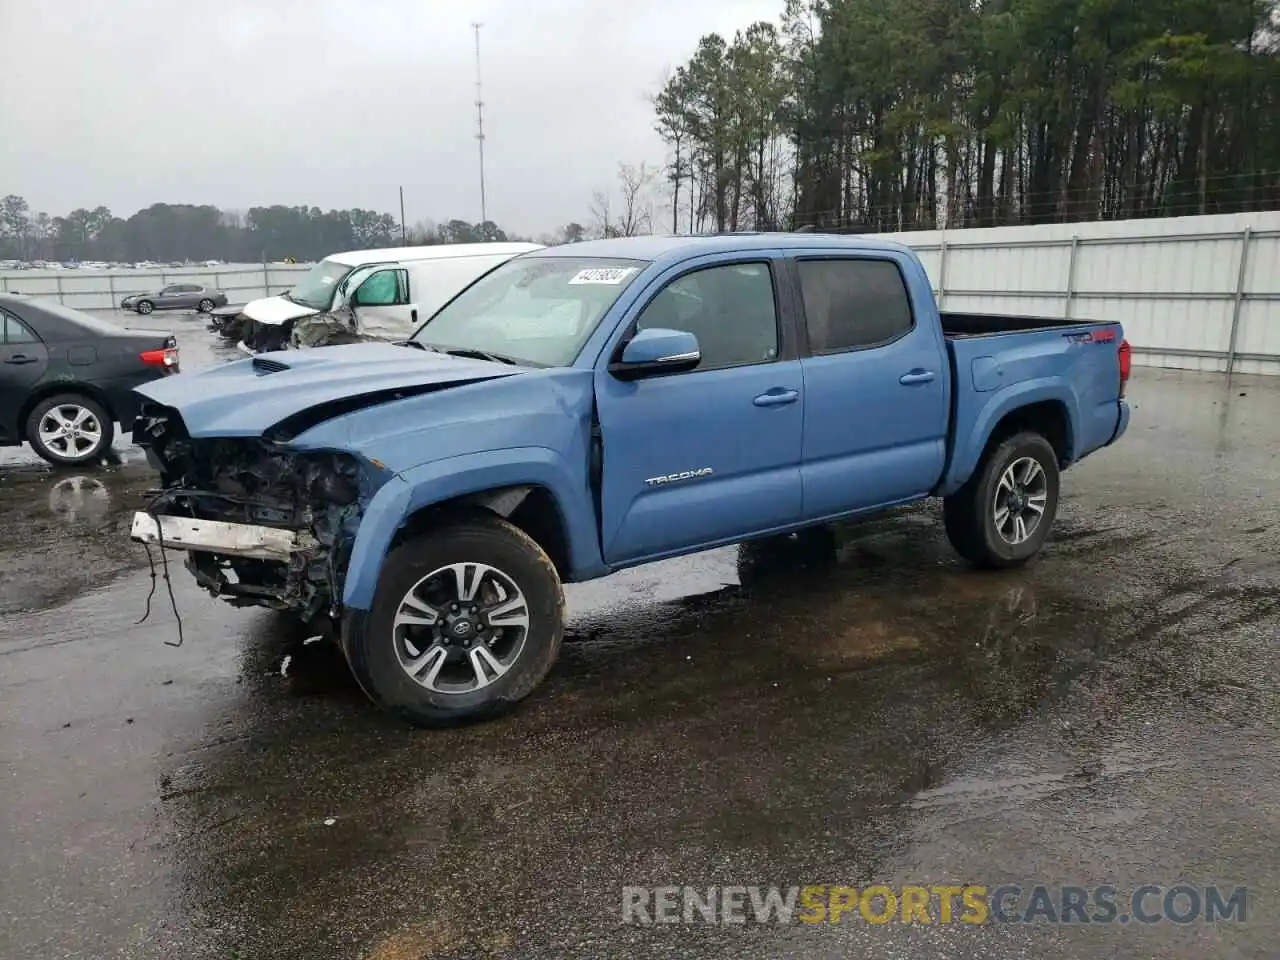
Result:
<point x="682" y="475"/>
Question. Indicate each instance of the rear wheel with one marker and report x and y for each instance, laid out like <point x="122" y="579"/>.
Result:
<point x="466" y="621"/>
<point x="1002" y="515"/>
<point x="69" y="429"/>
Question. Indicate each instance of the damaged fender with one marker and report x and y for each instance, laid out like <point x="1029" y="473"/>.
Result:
<point x="385" y="513"/>
<point x="441" y="480"/>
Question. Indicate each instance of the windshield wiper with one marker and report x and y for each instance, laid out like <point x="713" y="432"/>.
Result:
<point x="468" y="353"/>
<point x="481" y="355"/>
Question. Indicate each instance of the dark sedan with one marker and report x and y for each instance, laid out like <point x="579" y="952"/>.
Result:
<point x="67" y="378"/>
<point x="176" y="296"/>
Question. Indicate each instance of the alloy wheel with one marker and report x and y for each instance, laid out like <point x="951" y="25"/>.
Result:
<point x="461" y="628"/>
<point x="1020" y="500"/>
<point x="71" y="431"/>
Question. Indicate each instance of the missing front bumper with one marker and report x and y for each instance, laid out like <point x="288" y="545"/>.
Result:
<point x="251" y="541"/>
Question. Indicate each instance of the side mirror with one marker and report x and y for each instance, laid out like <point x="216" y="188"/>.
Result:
<point x="657" y="351"/>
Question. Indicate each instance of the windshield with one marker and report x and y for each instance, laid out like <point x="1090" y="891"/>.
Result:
<point x="538" y="311"/>
<point x="316" y="288"/>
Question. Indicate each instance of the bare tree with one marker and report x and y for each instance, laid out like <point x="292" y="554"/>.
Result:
<point x="635" y="203"/>
<point x="637" y="199"/>
<point x="601" y="215"/>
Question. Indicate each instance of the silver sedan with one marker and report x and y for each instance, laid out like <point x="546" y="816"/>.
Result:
<point x="176" y="296"/>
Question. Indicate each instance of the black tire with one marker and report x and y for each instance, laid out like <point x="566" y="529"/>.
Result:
<point x="374" y="649"/>
<point x="67" y="400"/>
<point x="204" y="306"/>
<point x="144" y="306"/>
<point x="969" y="514"/>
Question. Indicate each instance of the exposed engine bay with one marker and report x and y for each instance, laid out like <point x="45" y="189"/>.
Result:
<point x="326" y="329"/>
<point x="265" y="337"/>
<point x="262" y="482"/>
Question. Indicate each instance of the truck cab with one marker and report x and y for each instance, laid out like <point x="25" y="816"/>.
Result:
<point x="596" y="406"/>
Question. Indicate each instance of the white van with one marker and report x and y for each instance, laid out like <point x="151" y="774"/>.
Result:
<point x="372" y="294"/>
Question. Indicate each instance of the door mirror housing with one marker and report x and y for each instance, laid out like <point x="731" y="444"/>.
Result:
<point x="385" y="288"/>
<point x="657" y="351"/>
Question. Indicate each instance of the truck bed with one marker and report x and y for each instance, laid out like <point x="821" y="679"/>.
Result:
<point x="960" y="325"/>
<point x="1000" y="363"/>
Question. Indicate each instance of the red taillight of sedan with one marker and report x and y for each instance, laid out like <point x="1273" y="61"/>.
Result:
<point x="167" y="358"/>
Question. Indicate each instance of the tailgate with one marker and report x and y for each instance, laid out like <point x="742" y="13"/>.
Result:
<point x="1093" y="369"/>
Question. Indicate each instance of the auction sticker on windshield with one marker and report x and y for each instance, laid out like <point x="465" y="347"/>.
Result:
<point x="609" y="275"/>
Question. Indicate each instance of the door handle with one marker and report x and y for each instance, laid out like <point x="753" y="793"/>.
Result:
<point x="776" y="397"/>
<point x="19" y="358"/>
<point x="916" y="376"/>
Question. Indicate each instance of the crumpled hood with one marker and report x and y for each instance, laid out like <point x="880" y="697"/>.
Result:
<point x="245" y="398"/>
<point x="275" y="310"/>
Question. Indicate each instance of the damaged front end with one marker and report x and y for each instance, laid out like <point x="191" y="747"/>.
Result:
<point x="328" y="329"/>
<point x="259" y="337"/>
<point x="227" y="322"/>
<point x="263" y="524"/>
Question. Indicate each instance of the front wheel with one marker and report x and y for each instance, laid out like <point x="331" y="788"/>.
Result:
<point x="467" y="619"/>
<point x="205" y="306"/>
<point x="145" y="306"/>
<point x="1001" y="517"/>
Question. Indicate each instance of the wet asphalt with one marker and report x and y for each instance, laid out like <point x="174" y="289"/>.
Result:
<point x="867" y="710"/>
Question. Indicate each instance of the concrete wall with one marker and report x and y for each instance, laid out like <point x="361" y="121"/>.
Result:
<point x="1196" y="293"/>
<point x="98" y="290"/>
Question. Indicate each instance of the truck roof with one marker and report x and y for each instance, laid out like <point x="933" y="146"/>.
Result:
<point x="435" y="251"/>
<point x="677" y="248"/>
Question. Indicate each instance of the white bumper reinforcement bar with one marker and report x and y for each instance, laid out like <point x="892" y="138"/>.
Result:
<point x="215" y="536"/>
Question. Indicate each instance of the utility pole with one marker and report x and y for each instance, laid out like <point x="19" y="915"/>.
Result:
<point x="484" y="215"/>
<point x="403" y="238"/>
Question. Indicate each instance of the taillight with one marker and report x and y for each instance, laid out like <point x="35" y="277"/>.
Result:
<point x="166" y="357"/>
<point x="1126" y="363"/>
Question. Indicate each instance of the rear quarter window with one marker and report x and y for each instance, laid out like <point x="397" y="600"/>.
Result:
<point x="13" y="330"/>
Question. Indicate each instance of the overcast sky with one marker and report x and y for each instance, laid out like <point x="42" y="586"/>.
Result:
<point x="335" y="104"/>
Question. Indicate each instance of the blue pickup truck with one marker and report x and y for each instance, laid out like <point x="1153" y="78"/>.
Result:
<point x="595" y="406"/>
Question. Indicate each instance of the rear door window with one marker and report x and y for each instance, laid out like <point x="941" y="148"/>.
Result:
<point x="853" y="304"/>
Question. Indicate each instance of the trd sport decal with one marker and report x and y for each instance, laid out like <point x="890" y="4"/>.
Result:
<point x="1093" y="336"/>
